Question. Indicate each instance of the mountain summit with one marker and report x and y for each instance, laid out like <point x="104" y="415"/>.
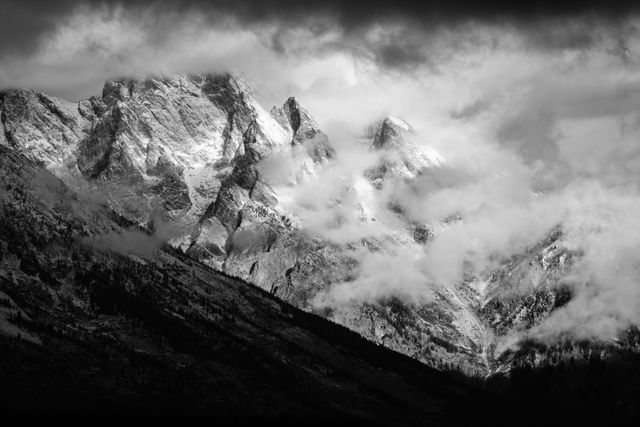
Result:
<point x="194" y="158"/>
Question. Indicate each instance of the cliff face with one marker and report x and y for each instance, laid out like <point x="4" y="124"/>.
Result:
<point x="90" y="324"/>
<point x="401" y="157"/>
<point x="192" y="154"/>
<point x="44" y="128"/>
<point x="176" y="139"/>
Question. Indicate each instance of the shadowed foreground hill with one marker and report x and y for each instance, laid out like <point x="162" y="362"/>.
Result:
<point x="98" y="318"/>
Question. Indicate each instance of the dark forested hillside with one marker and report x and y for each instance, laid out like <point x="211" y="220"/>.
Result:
<point x="97" y="316"/>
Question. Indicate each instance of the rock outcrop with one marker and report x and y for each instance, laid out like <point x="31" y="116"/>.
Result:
<point x="401" y="156"/>
<point x="199" y="155"/>
<point x="92" y="329"/>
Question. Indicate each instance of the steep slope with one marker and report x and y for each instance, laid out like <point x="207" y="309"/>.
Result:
<point x="172" y="139"/>
<point x="402" y="158"/>
<point x="523" y="293"/>
<point x="444" y="331"/>
<point x="197" y="159"/>
<point x="44" y="128"/>
<point x="89" y="327"/>
<point x="194" y="150"/>
<point x="98" y="317"/>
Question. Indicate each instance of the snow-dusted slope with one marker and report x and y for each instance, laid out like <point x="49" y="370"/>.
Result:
<point x="172" y="138"/>
<point x="89" y="328"/>
<point x="197" y="147"/>
<point x="194" y="148"/>
<point x="401" y="156"/>
<point x="199" y="159"/>
<point x="43" y="127"/>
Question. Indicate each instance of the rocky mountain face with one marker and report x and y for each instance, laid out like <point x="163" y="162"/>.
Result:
<point x="402" y="157"/>
<point x="523" y="292"/>
<point x="192" y="154"/>
<point x="91" y="324"/>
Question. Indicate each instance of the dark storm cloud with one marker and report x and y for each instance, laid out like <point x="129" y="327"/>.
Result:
<point x="354" y="13"/>
<point x="470" y="111"/>
<point x="504" y="92"/>
<point x="27" y="22"/>
<point x="401" y="55"/>
<point x="30" y="27"/>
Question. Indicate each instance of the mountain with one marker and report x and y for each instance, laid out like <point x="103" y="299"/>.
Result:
<point x="191" y="148"/>
<point x="523" y="292"/>
<point x="197" y="160"/>
<point x="91" y="323"/>
<point x="98" y="314"/>
<point x="100" y="318"/>
<point x="402" y="157"/>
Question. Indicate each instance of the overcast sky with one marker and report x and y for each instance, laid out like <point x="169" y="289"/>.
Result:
<point x="535" y="106"/>
<point x="69" y="47"/>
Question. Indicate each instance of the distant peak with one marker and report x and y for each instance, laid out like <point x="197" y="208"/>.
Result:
<point x="291" y="104"/>
<point x="390" y="131"/>
<point x="297" y="115"/>
<point x="292" y="110"/>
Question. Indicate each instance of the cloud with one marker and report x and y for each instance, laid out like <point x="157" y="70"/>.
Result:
<point x="34" y="17"/>
<point x="602" y="222"/>
<point x="27" y="23"/>
<point x="534" y="108"/>
<point x="338" y="204"/>
<point x="551" y="138"/>
<point x="43" y="45"/>
<point x="128" y="242"/>
<point x="381" y="276"/>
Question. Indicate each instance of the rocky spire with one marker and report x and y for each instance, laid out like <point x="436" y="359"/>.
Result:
<point x="44" y="128"/>
<point x="302" y="124"/>
<point x="3" y="138"/>
<point x="304" y="130"/>
<point x="391" y="131"/>
<point x="402" y="156"/>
